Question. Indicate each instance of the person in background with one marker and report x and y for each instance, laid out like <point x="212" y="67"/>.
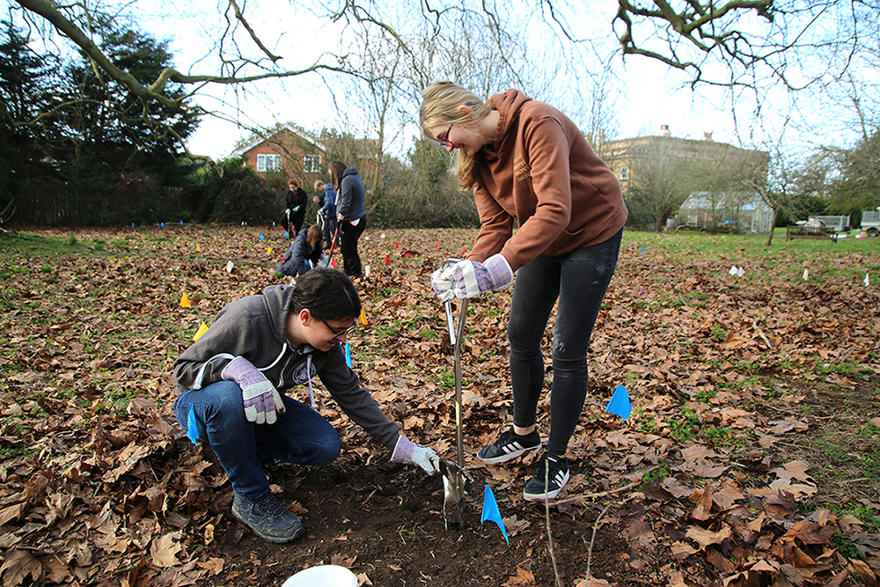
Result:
<point x="350" y="212"/>
<point x="303" y="254"/>
<point x="232" y="380"/>
<point x="328" y="210"/>
<point x="528" y="164"/>
<point x="295" y="207"/>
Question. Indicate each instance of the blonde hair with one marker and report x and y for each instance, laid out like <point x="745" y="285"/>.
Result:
<point x="441" y="105"/>
<point x="318" y="185"/>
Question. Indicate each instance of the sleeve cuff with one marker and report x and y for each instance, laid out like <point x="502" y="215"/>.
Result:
<point x="403" y="450"/>
<point x="499" y="270"/>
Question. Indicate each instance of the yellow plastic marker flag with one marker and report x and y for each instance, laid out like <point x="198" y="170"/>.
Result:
<point x="198" y="249"/>
<point x="269" y="251"/>
<point x="202" y="329"/>
<point x="184" y="301"/>
<point x="363" y="317"/>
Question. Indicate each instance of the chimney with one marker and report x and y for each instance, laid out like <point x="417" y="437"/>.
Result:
<point x="664" y="130"/>
<point x="707" y="136"/>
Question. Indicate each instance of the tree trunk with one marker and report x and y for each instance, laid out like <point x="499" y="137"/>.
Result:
<point x="772" y="228"/>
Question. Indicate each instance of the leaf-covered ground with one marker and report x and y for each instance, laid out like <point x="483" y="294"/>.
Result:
<point x="752" y="456"/>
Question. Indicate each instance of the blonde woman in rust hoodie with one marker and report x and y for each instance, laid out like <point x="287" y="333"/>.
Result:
<point x="232" y="384"/>
<point x="528" y="163"/>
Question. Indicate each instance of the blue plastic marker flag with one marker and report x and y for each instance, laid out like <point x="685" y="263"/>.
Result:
<point x="192" y="427"/>
<point x="132" y="224"/>
<point x="347" y="355"/>
<point x="285" y="234"/>
<point x="491" y="513"/>
<point x="261" y="237"/>
<point x="619" y="404"/>
<point x="641" y="250"/>
<point x="163" y="225"/>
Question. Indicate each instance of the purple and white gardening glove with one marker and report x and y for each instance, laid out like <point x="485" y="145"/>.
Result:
<point x="409" y="452"/>
<point x="467" y="279"/>
<point x="260" y="399"/>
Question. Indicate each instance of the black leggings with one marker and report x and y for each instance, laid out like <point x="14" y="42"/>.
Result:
<point x="579" y="280"/>
<point x="351" y="261"/>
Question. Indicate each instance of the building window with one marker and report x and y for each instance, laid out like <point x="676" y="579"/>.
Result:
<point x="624" y="173"/>
<point x="268" y="162"/>
<point x="312" y="163"/>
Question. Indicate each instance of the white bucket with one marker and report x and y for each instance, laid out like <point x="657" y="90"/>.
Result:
<point x="322" y="576"/>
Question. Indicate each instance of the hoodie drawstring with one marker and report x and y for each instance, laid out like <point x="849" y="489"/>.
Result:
<point x="309" y="371"/>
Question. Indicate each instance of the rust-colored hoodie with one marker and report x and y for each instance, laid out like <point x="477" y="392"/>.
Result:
<point x="542" y="172"/>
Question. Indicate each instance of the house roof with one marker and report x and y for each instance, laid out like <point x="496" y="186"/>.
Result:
<point x="298" y="131"/>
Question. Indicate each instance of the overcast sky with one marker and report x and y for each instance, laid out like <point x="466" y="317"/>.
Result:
<point x="647" y="93"/>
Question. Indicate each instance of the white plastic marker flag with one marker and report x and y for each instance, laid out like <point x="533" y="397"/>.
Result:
<point x="738" y="271"/>
<point x="806" y="274"/>
<point x="229" y="267"/>
<point x="867" y="280"/>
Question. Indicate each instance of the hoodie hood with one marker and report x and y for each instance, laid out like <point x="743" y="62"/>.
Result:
<point x="508" y="106"/>
<point x="349" y="171"/>
<point x="277" y="299"/>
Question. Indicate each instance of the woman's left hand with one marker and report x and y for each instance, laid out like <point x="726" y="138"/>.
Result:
<point x="468" y="279"/>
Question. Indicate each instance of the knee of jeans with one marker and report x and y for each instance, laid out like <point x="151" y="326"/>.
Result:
<point x="327" y="450"/>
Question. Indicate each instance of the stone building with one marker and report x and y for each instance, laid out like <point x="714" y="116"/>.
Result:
<point x="721" y="180"/>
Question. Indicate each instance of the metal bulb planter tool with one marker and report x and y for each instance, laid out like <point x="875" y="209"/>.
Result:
<point x="454" y="477"/>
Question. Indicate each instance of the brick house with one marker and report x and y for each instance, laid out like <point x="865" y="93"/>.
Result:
<point x="290" y="150"/>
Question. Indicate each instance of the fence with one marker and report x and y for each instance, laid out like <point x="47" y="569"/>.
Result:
<point x="48" y="202"/>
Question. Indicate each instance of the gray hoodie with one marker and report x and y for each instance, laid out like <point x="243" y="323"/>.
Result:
<point x="253" y="328"/>
<point x="350" y="196"/>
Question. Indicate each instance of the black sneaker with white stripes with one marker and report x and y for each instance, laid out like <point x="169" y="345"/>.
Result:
<point x="509" y="446"/>
<point x="557" y="477"/>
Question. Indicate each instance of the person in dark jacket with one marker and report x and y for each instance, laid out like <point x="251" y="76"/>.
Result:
<point x="350" y="212"/>
<point x="303" y="254"/>
<point x="232" y="381"/>
<point x="295" y="207"/>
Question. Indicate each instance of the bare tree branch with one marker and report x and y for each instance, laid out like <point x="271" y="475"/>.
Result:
<point x="256" y="39"/>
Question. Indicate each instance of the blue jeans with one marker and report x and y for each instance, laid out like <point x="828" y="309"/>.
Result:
<point x="578" y="280"/>
<point x="300" y="436"/>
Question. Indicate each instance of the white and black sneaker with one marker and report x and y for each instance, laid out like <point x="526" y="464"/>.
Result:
<point x="557" y="476"/>
<point x="509" y="446"/>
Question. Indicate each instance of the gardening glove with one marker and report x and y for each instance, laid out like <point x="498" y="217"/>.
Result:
<point x="408" y="452"/>
<point x="260" y="399"/>
<point x="468" y="279"/>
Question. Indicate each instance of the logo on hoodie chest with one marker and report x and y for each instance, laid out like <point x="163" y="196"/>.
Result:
<point x="302" y="372"/>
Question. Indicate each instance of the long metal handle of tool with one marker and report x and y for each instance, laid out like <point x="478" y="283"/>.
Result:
<point x="459" y="335"/>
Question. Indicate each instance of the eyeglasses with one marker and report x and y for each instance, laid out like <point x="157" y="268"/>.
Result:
<point x="340" y="331"/>
<point x="444" y="140"/>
